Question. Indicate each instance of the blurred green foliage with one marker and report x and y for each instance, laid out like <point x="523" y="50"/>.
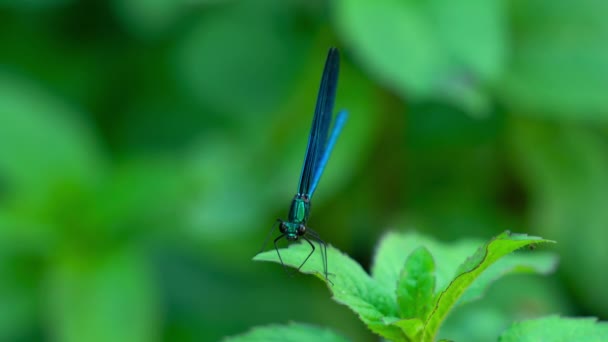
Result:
<point x="146" y="147"/>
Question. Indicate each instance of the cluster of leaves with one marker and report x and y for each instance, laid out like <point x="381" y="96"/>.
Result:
<point x="416" y="281"/>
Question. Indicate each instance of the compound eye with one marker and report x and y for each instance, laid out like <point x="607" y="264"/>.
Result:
<point x="301" y="230"/>
<point x="283" y="227"/>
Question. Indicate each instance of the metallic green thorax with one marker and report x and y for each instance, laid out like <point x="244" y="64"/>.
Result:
<point x="300" y="207"/>
<point x="298" y="215"/>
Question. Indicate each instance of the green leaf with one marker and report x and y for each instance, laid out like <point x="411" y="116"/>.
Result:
<point x="293" y="332"/>
<point x="470" y="270"/>
<point x="554" y="328"/>
<point x="559" y="66"/>
<point x="411" y="327"/>
<point x="351" y="285"/>
<point x="103" y="298"/>
<point x="436" y="48"/>
<point x="395" y="248"/>
<point x="378" y="309"/>
<point x="416" y="285"/>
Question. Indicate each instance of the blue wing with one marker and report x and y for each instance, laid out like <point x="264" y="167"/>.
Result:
<point x="317" y="150"/>
<point x="335" y="132"/>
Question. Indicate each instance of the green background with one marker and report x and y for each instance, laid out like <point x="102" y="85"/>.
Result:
<point x="147" y="147"/>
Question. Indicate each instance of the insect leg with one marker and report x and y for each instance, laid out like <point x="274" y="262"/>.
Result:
<point x="309" y="254"/>
<point x="268" y="236"/>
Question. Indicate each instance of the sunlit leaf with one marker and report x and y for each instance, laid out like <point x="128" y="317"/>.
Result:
<point x="416" y="285"/>
<point x="470" y="270"/>
<point x="412" y="327"/>
<point x="350" y="286"/>
<point x="394" y="249"/>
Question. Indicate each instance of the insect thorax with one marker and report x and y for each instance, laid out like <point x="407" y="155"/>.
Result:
<point x="299" y="210"/>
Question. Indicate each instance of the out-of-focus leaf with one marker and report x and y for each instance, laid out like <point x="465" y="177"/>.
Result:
<point x="429" y="49"/>
<point x="476" y="325"/>
<point x="149" y="18"/>
<point x="42" y="144"/>
<point x="565" y="168"/>
<point x="248" y="77"/>
<point x="107" y="297"/>
<point x="477" y="41"/>
<point x="559" y="66"/>
<point x="351" y="285"/>
<point x="557" y="329"/>
<point x="294" y="332"/>
<point x="395" y="41"/>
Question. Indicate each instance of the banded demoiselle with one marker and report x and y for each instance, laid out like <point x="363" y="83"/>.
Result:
<point x="320" y="145"/>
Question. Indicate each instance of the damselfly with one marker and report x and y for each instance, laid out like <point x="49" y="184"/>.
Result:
<point x="320" y="145"/>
